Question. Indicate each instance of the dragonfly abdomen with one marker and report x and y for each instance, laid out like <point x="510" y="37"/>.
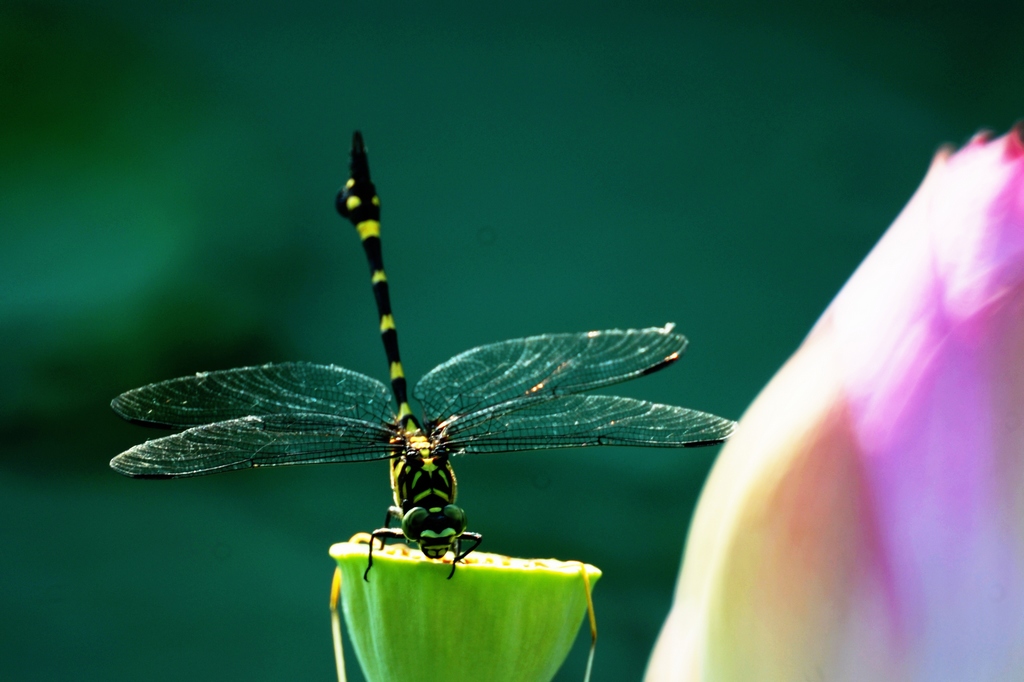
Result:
<point x="358" y="202"/>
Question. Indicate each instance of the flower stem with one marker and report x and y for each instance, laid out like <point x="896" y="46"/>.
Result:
<point x="339" y="653"/>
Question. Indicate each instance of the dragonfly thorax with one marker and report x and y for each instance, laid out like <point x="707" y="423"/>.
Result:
<point x="423" y="477"/>
<point x="424" y="485"/>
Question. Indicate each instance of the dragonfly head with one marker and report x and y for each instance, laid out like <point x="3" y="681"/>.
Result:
<point x="436" y="530"/>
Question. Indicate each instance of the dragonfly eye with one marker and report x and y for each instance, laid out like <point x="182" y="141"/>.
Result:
<point x="412" y="522"/>
<point x="455" y="517"/>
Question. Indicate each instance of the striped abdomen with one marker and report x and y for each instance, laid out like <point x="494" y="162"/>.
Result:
<point x="358" y="201"/>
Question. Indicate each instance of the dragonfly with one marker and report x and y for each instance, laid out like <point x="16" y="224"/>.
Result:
<point x="517" y="395"/>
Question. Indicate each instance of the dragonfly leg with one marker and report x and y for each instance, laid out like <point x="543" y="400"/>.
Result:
<point x="393" y="513"/>
<point x="379" y="534"/>
<point x="459" y="554"/>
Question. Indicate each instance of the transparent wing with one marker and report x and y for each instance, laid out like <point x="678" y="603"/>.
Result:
<point x="576" y="421"/>
<point x="539" y="367"/>
<point x="270" y="440"/>
<point x="288" y="387"/>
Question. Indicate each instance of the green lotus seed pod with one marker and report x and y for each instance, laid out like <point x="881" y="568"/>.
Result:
<point x="498" y="618"/>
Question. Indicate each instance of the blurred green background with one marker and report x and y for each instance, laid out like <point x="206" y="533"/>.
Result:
<point x="167" y="174"/>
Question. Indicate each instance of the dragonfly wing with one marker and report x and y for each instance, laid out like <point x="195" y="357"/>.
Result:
<point x="539" y="367"/>
<point x="288" y="387"/>
<point x="269" y="440"/>
<point x="577" y="421"/>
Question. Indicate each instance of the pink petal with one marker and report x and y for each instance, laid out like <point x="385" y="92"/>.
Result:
<point x="866" y="522"/>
